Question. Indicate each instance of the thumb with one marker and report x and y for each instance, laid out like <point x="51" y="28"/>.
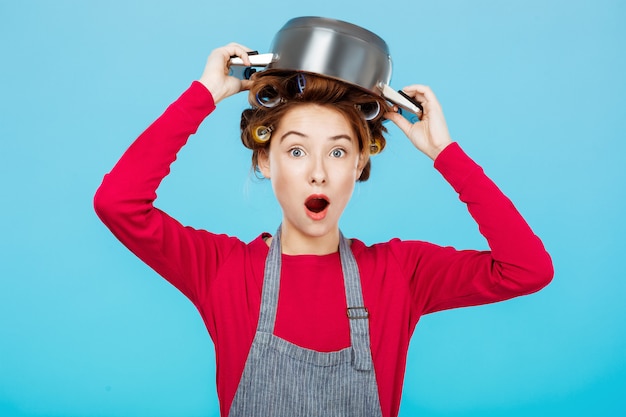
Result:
<point x="399" y="120"/>
<point x="246" y="84"/>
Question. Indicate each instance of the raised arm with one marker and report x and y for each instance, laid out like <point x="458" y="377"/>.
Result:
<point x="125" y="199"/>
<point x="443" y="277"/>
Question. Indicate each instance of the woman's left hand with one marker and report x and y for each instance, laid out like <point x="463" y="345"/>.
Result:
<point x="430" y="135"/>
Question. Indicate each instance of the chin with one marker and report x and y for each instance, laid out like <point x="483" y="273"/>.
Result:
<point x="316" y="229"/>
<point x="321" y="229"/>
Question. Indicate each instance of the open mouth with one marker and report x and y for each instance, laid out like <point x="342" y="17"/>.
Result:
<point x="316" y="204"/>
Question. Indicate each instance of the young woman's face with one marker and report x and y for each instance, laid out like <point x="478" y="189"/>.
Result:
<point x="313" y="163"/>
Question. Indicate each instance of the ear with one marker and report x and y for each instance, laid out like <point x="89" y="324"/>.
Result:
<point x="263" y="160"/>
<point x="364" y="156"/>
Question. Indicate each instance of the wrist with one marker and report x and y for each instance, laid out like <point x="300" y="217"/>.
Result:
<point x="434" y="152"/>
<point x="213" y="87"/>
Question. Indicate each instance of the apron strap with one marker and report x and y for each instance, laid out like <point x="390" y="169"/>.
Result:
<point x="271" y="285"/>
<point x="358" y="315"/>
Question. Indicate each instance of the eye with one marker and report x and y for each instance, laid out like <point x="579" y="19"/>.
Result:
<point x="296" y="152"/>
<point x="337" y="153"/>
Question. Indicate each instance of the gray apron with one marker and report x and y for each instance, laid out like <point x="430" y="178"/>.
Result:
<point x="281" y="379"/>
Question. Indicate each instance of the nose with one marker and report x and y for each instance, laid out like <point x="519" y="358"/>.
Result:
<point x="318" y="171"/>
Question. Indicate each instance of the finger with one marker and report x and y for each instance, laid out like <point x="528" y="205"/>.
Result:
<point x="422" y="93"/>
<point x="399" y="120"/>
<point x="420" y="89"/>
<point x="245" y="85"/>
<point x="236" y="50"/>
<point x="238" y="45"/>
<point x="417" y="95"/>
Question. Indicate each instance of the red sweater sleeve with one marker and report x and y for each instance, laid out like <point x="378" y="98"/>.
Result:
<point x="517" y="263"/>
<point x="124" y="200"/>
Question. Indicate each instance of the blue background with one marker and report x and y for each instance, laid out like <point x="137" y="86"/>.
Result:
<point x="533" y="90"/>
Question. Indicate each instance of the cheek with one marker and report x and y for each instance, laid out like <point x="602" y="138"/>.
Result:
<point x="285" y="170"/>
<point x="347" y="179"/>
<point x="284" y="178"/>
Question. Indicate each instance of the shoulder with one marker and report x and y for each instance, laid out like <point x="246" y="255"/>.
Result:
<point x="227" y="245"/>
<point x="393" y="248"/>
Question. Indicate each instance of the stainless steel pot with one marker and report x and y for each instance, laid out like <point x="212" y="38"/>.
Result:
<point x="335" y="49"/>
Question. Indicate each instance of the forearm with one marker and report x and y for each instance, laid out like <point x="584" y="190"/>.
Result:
<point x="125" y="199"/>
<point x="519" y="256"/>
<point x="133" y="181"/>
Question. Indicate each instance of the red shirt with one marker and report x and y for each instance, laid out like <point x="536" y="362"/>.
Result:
<point x="401" y="280"/>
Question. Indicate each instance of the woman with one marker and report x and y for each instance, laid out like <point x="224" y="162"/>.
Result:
<point x="335" y="341"/>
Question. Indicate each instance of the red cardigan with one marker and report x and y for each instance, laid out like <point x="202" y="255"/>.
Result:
<point x="401" y="280"/>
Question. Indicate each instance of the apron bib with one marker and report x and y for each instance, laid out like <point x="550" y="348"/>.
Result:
<point x="281" y="379"/>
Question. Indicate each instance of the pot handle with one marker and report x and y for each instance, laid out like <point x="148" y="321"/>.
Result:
<point x="404" y="101"/>
<point x="239" y="70"/>
<point x="256" y="59"/>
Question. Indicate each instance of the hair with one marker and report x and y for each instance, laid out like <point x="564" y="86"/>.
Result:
<point x="273" y="93"/>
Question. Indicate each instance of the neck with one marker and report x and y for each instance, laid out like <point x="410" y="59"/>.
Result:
<point x="295" y="243"/>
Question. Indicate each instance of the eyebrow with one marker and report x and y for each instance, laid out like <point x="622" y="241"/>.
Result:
<point x="295" y="132"/>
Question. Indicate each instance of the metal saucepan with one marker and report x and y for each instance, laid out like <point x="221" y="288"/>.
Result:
<point x="335" y="49"/>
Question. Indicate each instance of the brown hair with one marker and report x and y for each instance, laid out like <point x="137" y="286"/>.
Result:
<point x="273" y="93"/>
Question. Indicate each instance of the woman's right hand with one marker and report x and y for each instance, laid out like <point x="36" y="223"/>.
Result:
<point x="215" y="76"/>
